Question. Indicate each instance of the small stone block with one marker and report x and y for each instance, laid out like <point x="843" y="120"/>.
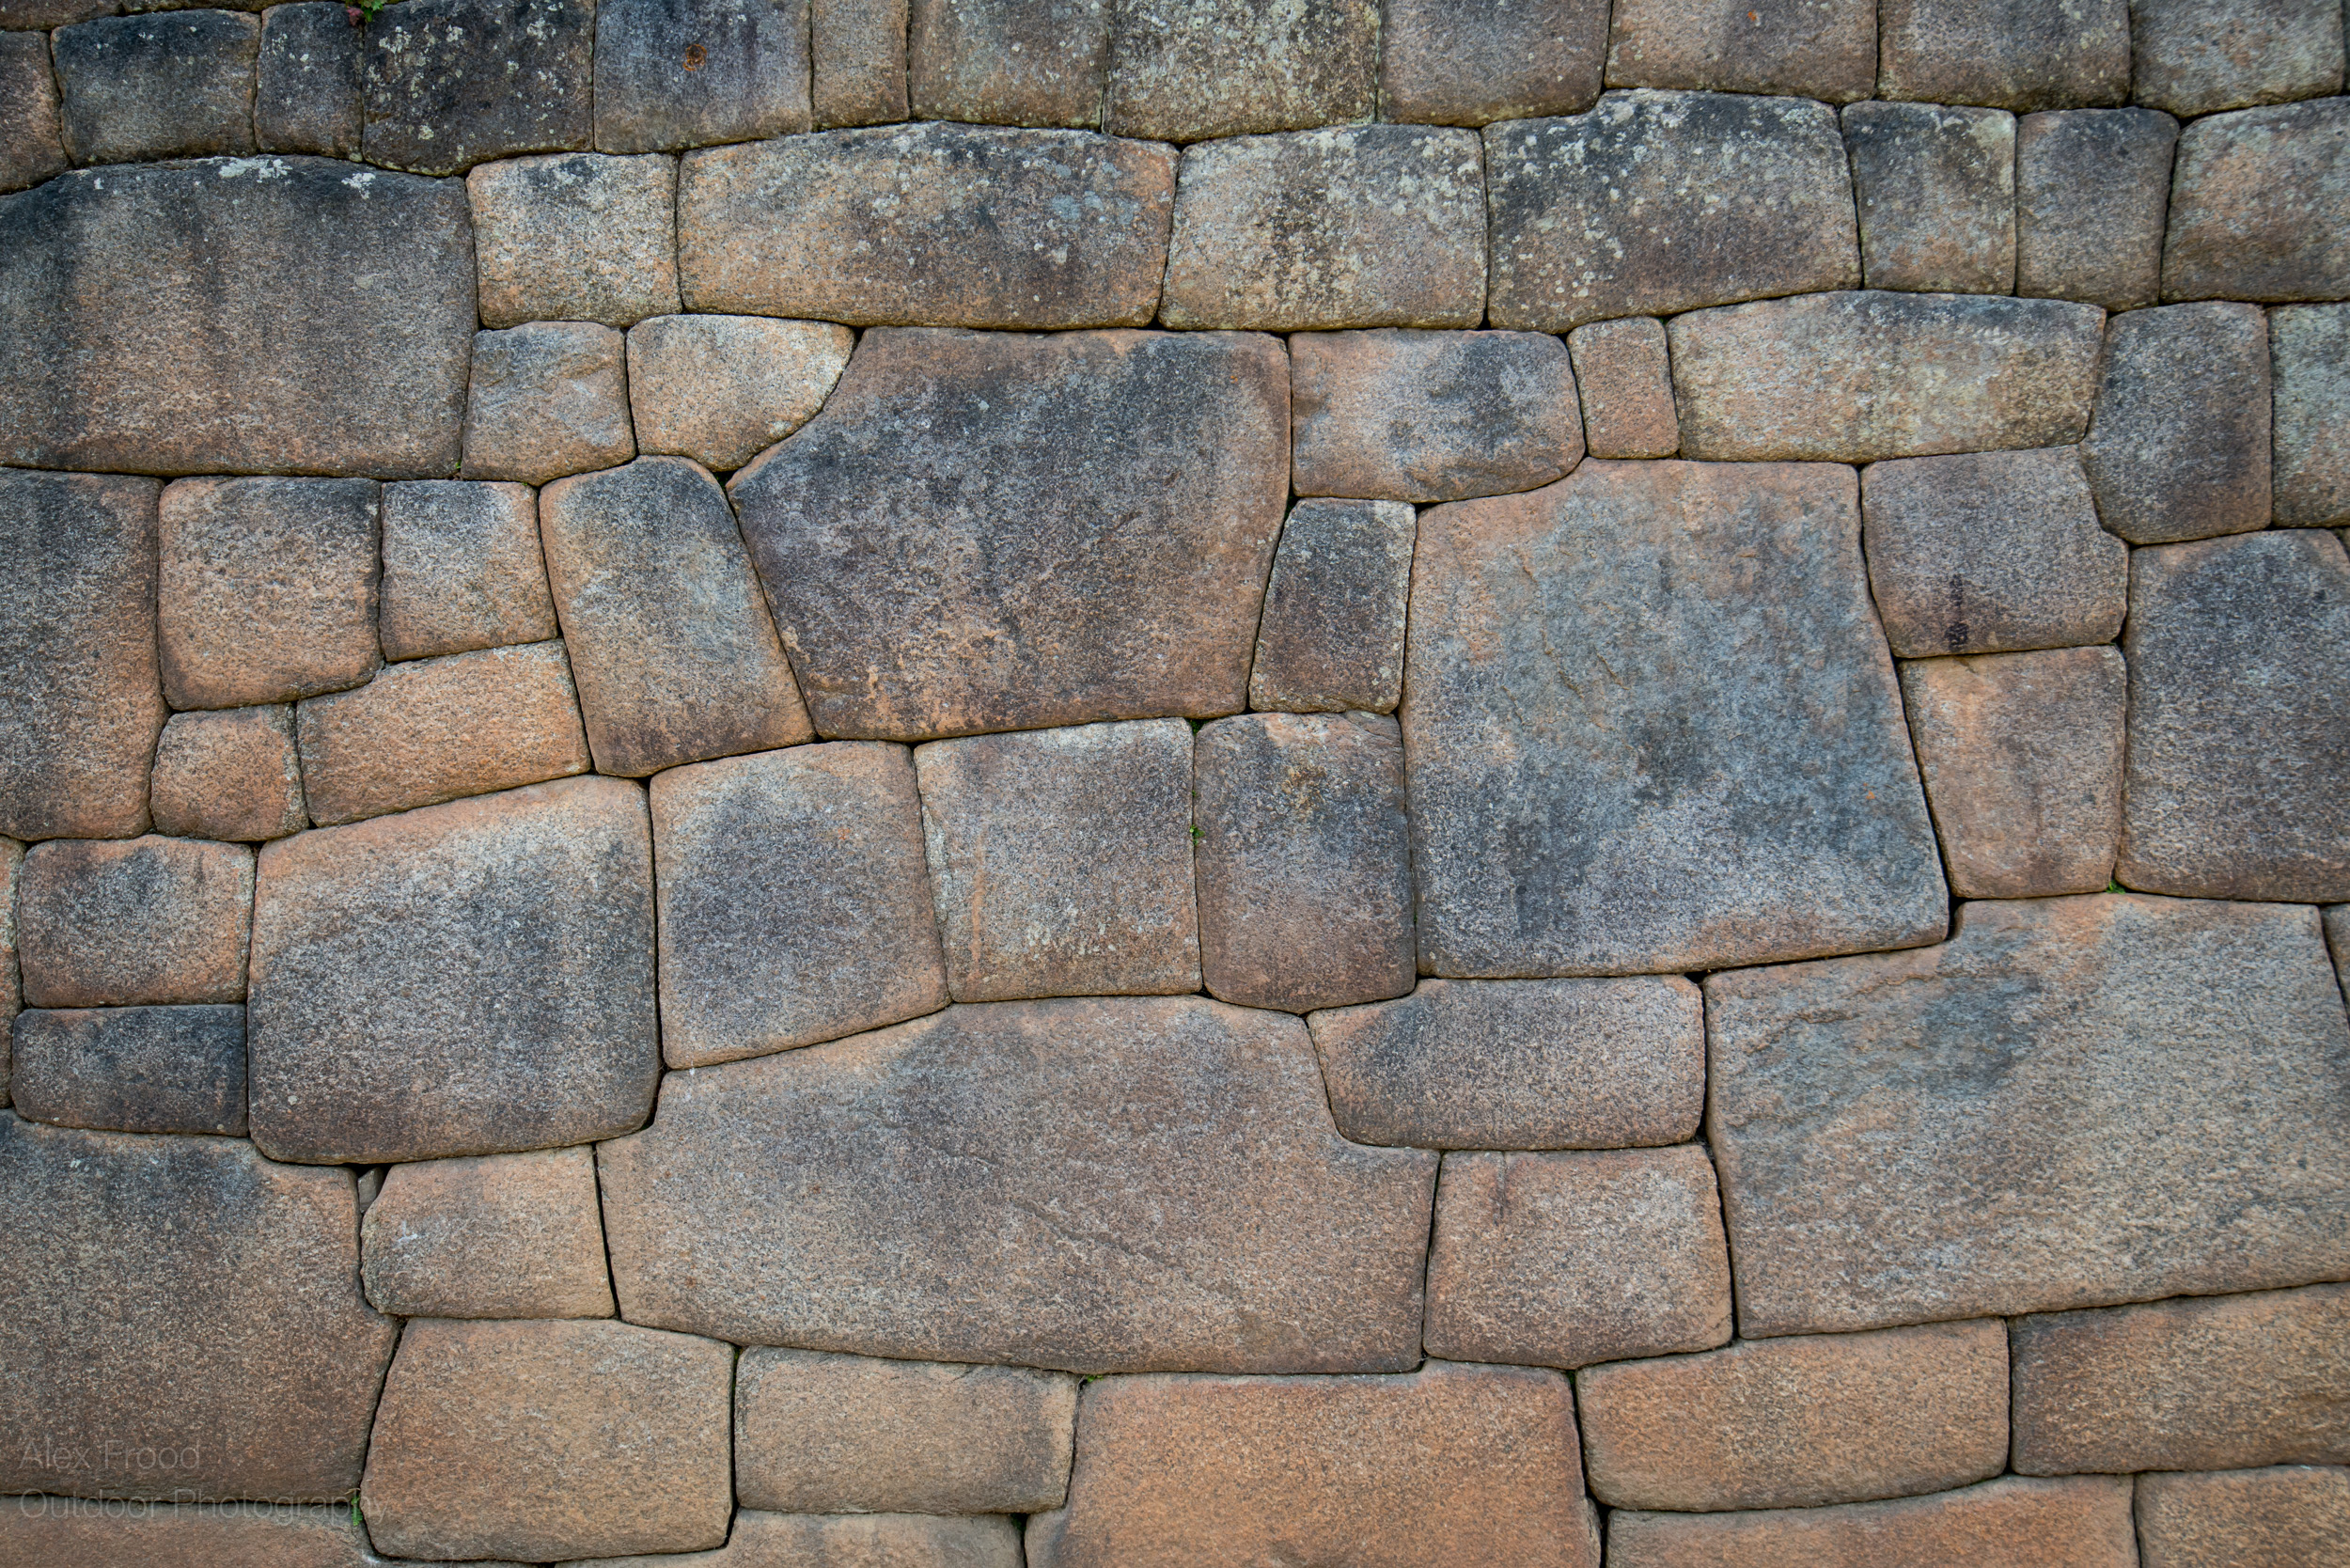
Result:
<point x="505" y="1236"/>
<point x="2007" y="1523"/>
<point x="132" y="1069"/>
<point x="1008" y="62"/>
<point x="1623" y="375"/>
<point x="1190" y="71"/>
<point x="454" y="83"/>
<point x="576" y="237"/>
<point x="680" y="73"/>
<point x="2309" y="348"/>
<point x="1471" y="62"/>
<point x="2016" y="54"/>
<point x="131" y="922"/>
<point x="857" y="64"/>
<point x="32" y="139"/>
<point x="2288" y="1517"/>
<point x="168" y="85"/>
<point x="1936" y="193"/>
<point x="306" y="96"/>
<point x="461" y="569"/>
<point x="1332" y="635"/>
<point x="232" y="775"/>
<point x="2179" y="448"/>
<point x="548" y="398"/>
<point x="1430" y="415"/>
<point x="2199" y="56"/>
<point x="722" y="389"/>
<point x="2259" y="206"/>
<point x="1822" y="49"/>
<point x="2092" y="189"/>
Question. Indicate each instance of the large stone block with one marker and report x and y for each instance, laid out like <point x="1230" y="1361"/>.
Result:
<point x="2011" y="1122"/>
<point x="1657" y="202"/>
<point x="2092" y="190"/>
<point x="32" y="140"/>
<point x="2309" y="367"/>
<point x="1430" y="415"/>
<point x="1623" y="377"/>
<point x="2197" y="57"/>
<point x="62" y="1534"/>
<point x="1446" y="1465"/>
<point x="721" y="390"/>
<point x="1935" y="189"/>
<point x="540" y="1440"/>
<point x="1354" y="227"/>
<point x="1446" y="62"/>
<point x="1008" y="62"/>
<point x="934" y="225"/>
<point x="2238" y="771"/>
<point x="1189" y="71"/>
<point x="461" y="979"/>
<point x="2006" y="53"/>
<point x="1331" y="637"/>
<point x="168" y="85"/>
<point x="505" y="1236"/>
<point x="794" y="905"/>
<point x="680" y="73"/>
<point x="242" y="1349"/>
<point x="353" y="288"/>
<point x="132" y="1069"/>
<point x="857" y="61"/>
<point x="548" y="398"/>
<point x="2179" y="447"/>
<point x="1606" y="779"/>
<point x="2008" y="1523"/>
<point x="2259" y="206"/>
<point x="80" y="696"/>
<point x="1823" y="49"/>
<point x="971" y="1187"/>
<point x="1856" y="377"/>
<point x="1061" y="860"/>
<point x="2283" y="1517"/>
<point x="233" y="775"/>
<point x="128" y="922"/>
<point x="461" y="569"/>
<point x="984" y="531"/>
<point x="306" y="95"/>
<point x="2215" y="1382"/>
<point x="454" y="83"/>
<point x="576" y="237"/>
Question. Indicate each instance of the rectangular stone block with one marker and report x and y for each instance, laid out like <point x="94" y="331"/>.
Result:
<point x="131" y="922"/>
<point x="2015" y="55"/>
<point x="32" y="140"/>
<point x="1471" y="62"/>
<point x="305" y="96"/>
<point x="65" y="1534"/>
<point x="1623" y="376"/>
<point x="2179" y="447"/>
<point x="1430" y="415"/>
<point x="2197" y="57"/>
<point x="857" y="61"/>
<point x="1822" y="49"/>
<point x="1190" y="71"/>
<point x="2309" y="350"/>
<point x="680" y="73"/>
<point x="722" y="389"/>
<point x="168" y="85"/>
<point x="576" y="237"/>
<point x="454" y="83"/>
<point x="1331" y="637"/>
<point x="849" y="1541"/>
<point x="1935" y="189"/>
<point x="2259" y="206"/>
<point x="506" y="1236"/>
<point x="132" y="1069"/>
<point x="2092" y="191"/>
<point x="461" y="569"/>
<point x="2008" y="1523"/>
<point x="547" y="398"/>
<point x="2010" y="1123"/>
<point x="1008" y="62"/>
<point x="2280" y="1518"/>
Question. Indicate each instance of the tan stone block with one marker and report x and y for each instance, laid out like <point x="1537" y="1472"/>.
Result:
<point x="1008" y="62"/>
<point x="2259" y="206"/>
<point x="1823" y="49"/>
<point x="1470" y="62"/>
<point x="548" y="398"/>
<point x="857" y="61"/>
<point x="124" y="922"/>
<point x="849" y="1541"/>
<point x="2195" y="57"/>
<point x="1187" y="70"/>
<point x="2092" y="189"/>
<point x="2286" y="1517"/>
<point x="171" y="84"/>
<point x="1799" y="1422"/>
<point x="132" y="1069"/>
<point x="678" y="73"/>
<point x="2179" y="447"/>
<point x="32" y="145"/>
<point x="231" y="774"/>
<point x="61" y="1532"/>
<point x="2008" y="1523"/>
<point x="2006" y="53"/>
<point x="461" y="569"/>
<point x="722" y="389"/>
<point x="1935" y="189"/>
<point x="1331" y="637"/>
<point x="1430" y="415"/>
<point x="1623" y="375"/>
<point x="453" y="83"/>
<point x="2309" y="359"/>
<point x="505" y="1236"/>
<point x="576" y="237"/>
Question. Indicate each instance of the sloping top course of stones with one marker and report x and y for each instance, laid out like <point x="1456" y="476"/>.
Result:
<point x="1097" y="783"/>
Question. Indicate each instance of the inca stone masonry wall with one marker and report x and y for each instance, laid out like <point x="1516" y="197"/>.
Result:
<point x="950" y="783"/>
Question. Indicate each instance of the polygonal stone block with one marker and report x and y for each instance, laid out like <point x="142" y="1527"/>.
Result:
<point x="2179" y="447"/>
<point x="1008" y="62"/>
<point x="1623" y="377"/>
<point x="1430" y="415"/>
<point x="1936" y="193"/>
<point x="2265" y="1518"/>
<point x="857" y="61"/>
<point x="2015" y="55"/>
<point x="454" y="83"/>
<point x="2259" y="206"/>
<point x="461" y="569"/>
<point x="2092" y="191"/>
<point x="576" y="237"/>
<point x="232" y="775"/>
<point x="32" y="141"/>
<point x="1823" y="49"/>
<point x="1332" y="635"/>
<point x="132" y="1069"/>
<point x="722" y="389"/>
<point x="504" y="1236"/>
<point x="1189" y="71"/>
<point x="2197" y="57"/>
<point x="548" y="398"/>
<point x="307" y="95"/>
<point x="168" y="85"/>
<point x="680" y="73"/>
<point x="1471" y="62"/>
<point x="2007" y="1523"/>
<point x="2309" y="349"/>
<point x="123" y="922"/>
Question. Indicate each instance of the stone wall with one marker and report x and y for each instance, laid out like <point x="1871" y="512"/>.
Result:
<point x="862" y="784"/>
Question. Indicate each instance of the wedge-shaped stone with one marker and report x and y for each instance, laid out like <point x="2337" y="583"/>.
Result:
<point x="273" y="1362"/>
<point x="848" y="1540"/>
<point x="1623" y="375"/>
<point x="1607" y="775"/>
<point x="576" y="237"/>
<point x="2007" y="53"/>
<point x="132" y="1069"/>
<point x="1431" y="415"/>
<point x="2092" y="189"/>
<point x="2179" y="448"/>
<point x="122" y="922"/>
<point x="1662" y="201"/>
<point x="354" y="288"/>
<point x="2196" y="56"/>
<point x="721" y="390"/>
<point x="677" y="73"/>
<point x="175" y="83"/>
<point x="306" y="95"/>
<point x="2008" y="1523"/>
<point x="32" y="145"/>
<point x="984" y="531"/>
<point x="1855" y="377"/>
<point x="2283" y="1517"/>
<point x="1519" y="1064"/>
<point x="547" y="398"/>
<point x="2310" y="358"/>
<point x="1800" y="1422"/>
<point x="454" y="83"/>
<point x="1823" y="49"/>
<point x="1008" y="62"/>
<point x="2259" y="206"/>
<point x="1446" y="1465"/>
<point x="2027" y="1117"/>
<point x="461" y="979"/>
<point x="1332" y="635"/>
<point x="1097" y="1186"/>
<point x="505" y="1236"/>
<point x="1936" y="193"/>
<point x="794" y="906"/>
<point x="233" y="775"/>
<point x="193" y="1535"/>
<point x="461" y="569"/>
<point x="1445" y="62"/>
<point x="944" y="225"/>
<point x="2200" y="1384"/>
<point x="1189" y="70"/>
<point x="857" y="61"/>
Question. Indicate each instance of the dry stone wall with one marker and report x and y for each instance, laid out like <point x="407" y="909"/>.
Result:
<point x="962" y="783"/>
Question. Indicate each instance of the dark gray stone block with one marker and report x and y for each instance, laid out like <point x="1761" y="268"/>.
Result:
<point x="1009" y="62"/>
<point x="1332" y="635"/>
<point x="1471" y="62"/>
<point x="307" y="98"/>
<point x="1935" y="189"/>
<point x="680" y="73"/>
<point x="2259" y="206"/>
<point x="2092" y="190"/>
<point x="132" y="1069"/>
<point x="451" y="83"/>
<point x="2015" y="55"/>
<point x="168" y="85"/>
<point x="32" y="143"/>
<point x="1187" y="70"/>
<point x="2179" y="447"/>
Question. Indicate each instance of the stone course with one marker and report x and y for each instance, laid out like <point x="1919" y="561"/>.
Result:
<point x="2262" y="1518"/>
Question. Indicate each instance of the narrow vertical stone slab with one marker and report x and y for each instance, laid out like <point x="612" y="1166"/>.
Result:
<point x="681" y="73"/>
<point x="2309" y="349"/>
<point x="2015" y="55"/>
<point x="454" y="83"/>
<point x="1623" y="377"/>
<point x="2259" y="206"/>
<point x="32" y="140"/>
<point x="1430" y="415"/>
<point x="722" y="389"/>
<point x="506" y="1236"/>
<point x="2008" y="1523"/>
<point x="132" y="1069"/>
<point x="2199" y="56"/>
<point x="548" y="398"/>
<point x="124" y="922"/>
<point x="2008" y="1122"/>
<point x="462" y="570"/>
<point x="1445" y="62"/>
<point x="11" y="992"/>
<point x="2179" y="447"/>
<point x="576" y="237"/>
<point x="1332" y="635"/>
<point x="1935" y="189"/>
<point x="969" y="1187"/>
<point x="2093" y="192"/>
<point x="2264" y="1518"/>
<point x="1008" y="62"/>
<point x="1594" y="788"/>
<point x="1189" y="71"/>
<point x="168" y="85"/>
<point x="305" y="96"/>
<point x="857" y="61"/>
<point x="273" y="1363"/>
<point x="1826" y="49"/>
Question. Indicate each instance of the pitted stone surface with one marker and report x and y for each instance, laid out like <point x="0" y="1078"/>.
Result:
<point x="1445" y="62"/>
<point x="130" y="921"/>
<point x="1008" y="62"/>
<point x="2092" y="190"/>
<point x="2007" y="1523"/>
<point x="504" y="1236"/>
<point x="1091" y="1184"/>
<point x="857" y="61"/>
<point x="231" y="774"/>
<point x="1935" y="189"/>
<point x="461" y="569"/>
<point x="132" y="1069"/>
<point x="2197" y="57"/>
<point x="548" y="398"/>
<point x="1623" y="376"/>
<point x="2278" y="1517"/>
<point x="305" y="96"/>
<point x="576" y="237"/>
<point x="681" y="73"/>
<point x="2309" y="359"/>
<point x="172" y="84"/>
<point x="2259" y="206"/>
<point x="986" y="531"/>
<point x="1823" y="49"/>
<point x="2006" y="53"/>
<point x="1430" y="415"/>
<point x="721" y="390"/>
<point x="32" y="140"/>
<point x="451" y="83"/>
<point x="2179" y="446"/>
<point x="1187" y="70"/>
<point x="1331" y="637"/>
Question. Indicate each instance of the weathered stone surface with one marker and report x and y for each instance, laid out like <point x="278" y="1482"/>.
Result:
<point x="2195" y="57"/>
<point x="1189" y="70"/>
<point x="857" y="66"/>
<point x="1061" y="860"/>
<point x="2259" y="206"/>
<point x="1519" y="1064"/>
<point x="1305" y="877"/>
<point x="1800" y="1422"/>
<point x="461" y="979"/>
<point x="2006" y="53"/>
<point x="1430" y="415"/>
<point x="2030" y="1116"/>
<point x="353" y="288"/>
<point x="1331" y="637"/>
<point x="1823" y="49"/>
<point x="2093" y="192"/>
<point x="454" y="83"/>
<point x="937" y="544"/>
<point x="132" y="1069"/>
<point x="32" y="142"/>
<point x="305" y="96"/>
<point x="1855" y="377"/>
<point x="2337" y="938"/>
<point x="2022" y="758"/>
<point x="669" y="637"/>
<point x="2309" y="368"/>
<point x="436" y="730"/>
<point x="64" y="1534"/>
<point x="680" y="73"/>
<point x="80" y="699"/>
<point x="849" y="1541"/>
<point x="1448" y="1463"/>
<point x="255" y="1379"/>
<point x="168" y="85"/>
<point x="1008" y="62"/>
<point x="969" y="1187"/>
<point x="721" y="390"/>
<point x="2238" y="775"/>
<point x="1623" y="375"/>
<point x="794" y="905"/>
<point x="2265" y="1518"/>
<point x="41" y="15"/>
<point x="1351" y="227"/>
<point x="506" y="1236"/>
<point x="548" y="398"/>
<point x="1935" y="189"/>
<point x="268" y="588"/>
<point x="2179" y="448"/>
<point x="2215" y="1383"/>
<point x="129" y="921"/>
<point x="576" y="237"/>
<point x="1657" y="202"/>
<point x="947" y="225"/>
<point x="461" y="569"/>
<point x="1446" y="62"/>
<point x="12" y="993"/>
<point x="823" y="1434"/>
<point x="2008" y="1523"/>
<point x="614" y="1436"/>
<point x="1604" y="780"/>
<point x="1989" y="553"/>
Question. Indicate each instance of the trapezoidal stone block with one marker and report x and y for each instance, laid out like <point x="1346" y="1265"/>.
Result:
<point x="305" y="92"/>
<point x="175" y="83"/>
<point x="2259" y="206"/>
<point x="132" y="1069"/>
<point x="722" y="389"/>
<point x="937" y="544"/>
<point x="449" y="84"/>
<point x="1935" y="189"/>
<point x="2015" y="55"/>
<point x="1594" y="785"/>
<point x="466" y="978"/>
<point x="2092" y="191"/>
<point x="1331" y="637"/>
<point x="1623" y="377"/>
<point x="1190" y="71"/>
<point x="354" y="287"/>
<point x="232" y="775"/>
<point x="2275" y="1518"/>
<point x="681" y="73"/>
<point x="1444" y="62"/>
<point x="547" y="398"/>
<point x="32" y="144"/>
<point x="2309" y="368"/>
<point x="501" y="1236"/>
<point x="2199" y="56"/>
<point x="462" y="570"/>
<point x="2008" y="1123"/>
<point x="1008" y="62"/>
<point x="1822" y="49"/>
<point x="856" y="61"/>
<point x="2007" y="1523"/>
<point x="118" y="922"/>
<point x="273" y="1363"/>
<point x="807" y="1198"/>
<point x="576" y="237"/>
<point x="2179" y="446"/>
